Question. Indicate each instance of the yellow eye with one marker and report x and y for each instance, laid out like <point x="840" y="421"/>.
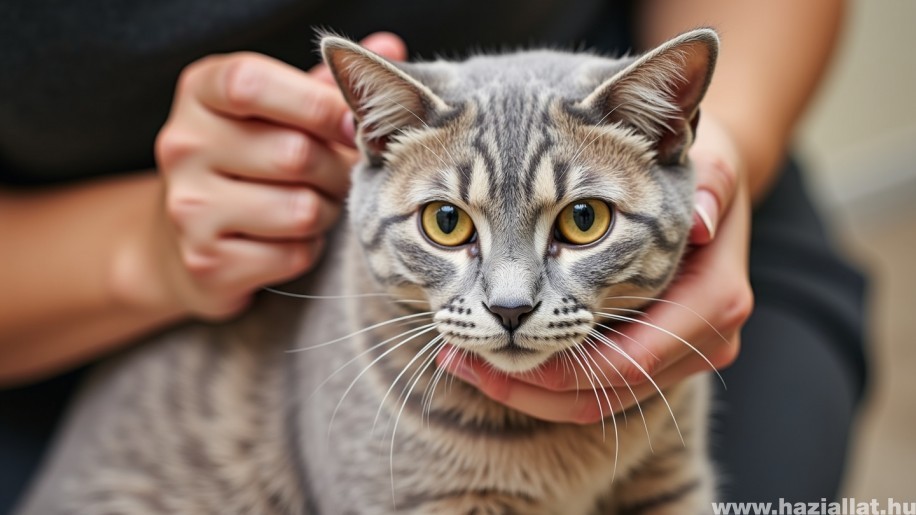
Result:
<point x="584" y="221"/>
<point x="446" y="225"/>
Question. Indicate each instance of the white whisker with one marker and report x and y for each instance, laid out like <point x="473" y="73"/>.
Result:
<point x="594" y="388"/>
<point x="394" y="431"/>
<point x="669" y="333"/>
<point x="366" y="369"/>
<point x="613" y="346"/>
<point x="628" y="337"/>
<point x="429" y="345"/>
<point x="627" y="310"/>
<point x="678" y="304"/>
<point x="437" y="376"/>
<point x="591" y="343"/>
<point x="630" y="388"/>
<point x="611" y="407"/>
<point x="361" y="331"/>
<point x="363" y="353"/>
<point x="326" y="297"/>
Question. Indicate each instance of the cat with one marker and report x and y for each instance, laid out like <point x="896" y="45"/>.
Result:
<point x="503" y="203"/>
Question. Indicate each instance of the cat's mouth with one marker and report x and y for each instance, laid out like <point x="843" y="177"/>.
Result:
<point x="514" y="349"/>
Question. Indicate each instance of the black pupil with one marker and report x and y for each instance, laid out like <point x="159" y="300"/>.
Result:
<point x="584" y="216"/>
<point x="447" y="218"/>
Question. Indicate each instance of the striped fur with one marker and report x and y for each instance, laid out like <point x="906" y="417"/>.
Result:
<point x="219" y="419"/>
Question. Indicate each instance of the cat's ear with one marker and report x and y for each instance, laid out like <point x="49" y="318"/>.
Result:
<point x="384" y="99"/>
<point x="659" y="93"/>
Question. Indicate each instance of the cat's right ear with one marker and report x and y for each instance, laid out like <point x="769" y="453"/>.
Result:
<point x="385" y="100"/>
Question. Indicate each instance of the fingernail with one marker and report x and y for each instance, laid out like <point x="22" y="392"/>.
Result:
<point x="707" y="209"/>
<point x="348" y="127"/>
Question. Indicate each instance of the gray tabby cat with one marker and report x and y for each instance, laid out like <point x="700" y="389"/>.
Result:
<point x="504" y="204"/>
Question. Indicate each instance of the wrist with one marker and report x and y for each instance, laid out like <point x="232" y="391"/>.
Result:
<point x="139" y="278"/>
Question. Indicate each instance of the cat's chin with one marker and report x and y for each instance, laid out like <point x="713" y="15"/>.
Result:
<point x="515" y="362"/>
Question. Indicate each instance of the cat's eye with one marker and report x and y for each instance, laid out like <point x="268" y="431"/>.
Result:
<point x="584" y="221"/>
<point x="446" y="224"/>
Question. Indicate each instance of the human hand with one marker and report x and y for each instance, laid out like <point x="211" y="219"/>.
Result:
<point x="254" y="161"/>
<point x="705" y="306"/>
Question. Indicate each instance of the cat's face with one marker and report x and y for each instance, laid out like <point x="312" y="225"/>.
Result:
<point x="520" y="194"/>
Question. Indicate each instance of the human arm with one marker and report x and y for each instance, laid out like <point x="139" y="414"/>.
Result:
<point x="773" y="55"/>
<point x="252" y="165"/>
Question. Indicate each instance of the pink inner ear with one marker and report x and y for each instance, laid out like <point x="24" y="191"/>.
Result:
<point x="696" y="67"/>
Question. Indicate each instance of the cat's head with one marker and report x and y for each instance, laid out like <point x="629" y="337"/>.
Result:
<point x="521" y="193"/>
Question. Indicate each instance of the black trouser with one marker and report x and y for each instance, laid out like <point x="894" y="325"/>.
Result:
<point x="781" y="428"/>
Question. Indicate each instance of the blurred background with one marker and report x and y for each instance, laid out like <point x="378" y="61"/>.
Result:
<point x="859" y="142"/>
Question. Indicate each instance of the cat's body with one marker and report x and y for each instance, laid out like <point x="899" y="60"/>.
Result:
<point x="222" y="419"/>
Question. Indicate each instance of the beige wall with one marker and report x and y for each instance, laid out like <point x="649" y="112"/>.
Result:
<point x="860" y="135"/>
<point x="860" y="140"/>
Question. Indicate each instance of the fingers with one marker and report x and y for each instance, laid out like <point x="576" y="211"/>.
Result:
<point x="226" y="271"/>
<point x="586" y="406"/>
<point x="245" y="85"/>
<point x="210" y="207"/>
<point x="718" y="165"/>
<point x="272" y="212"/>
<point x="259" y="151"/>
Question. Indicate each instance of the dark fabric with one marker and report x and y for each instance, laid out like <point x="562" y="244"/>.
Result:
<point x="28" y="417"/>
<point x="86" y="85"/>
<point x="781" y="428"/>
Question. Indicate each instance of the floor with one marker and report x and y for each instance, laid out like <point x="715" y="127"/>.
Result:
<point x="884" y="456"/>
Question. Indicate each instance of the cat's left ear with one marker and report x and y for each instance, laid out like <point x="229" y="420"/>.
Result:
<point x="659" y="93"/>
<point x="385" y="99"/>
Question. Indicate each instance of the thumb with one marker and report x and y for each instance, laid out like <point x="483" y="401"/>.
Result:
<point x="716" y="162"/>
<point x="386" y="44"/>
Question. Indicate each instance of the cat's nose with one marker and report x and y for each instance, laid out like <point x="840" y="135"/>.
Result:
<point x="511" y="316"/>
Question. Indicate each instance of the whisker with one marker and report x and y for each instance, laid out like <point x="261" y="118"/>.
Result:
<point x="568" y="353"/>
<point x="437" y="376"/>
<point x="628" y="337"/>
<point x="326" y="297"/>
<point x="669" y="333"/>
<point x="361" y="331"/>
<point x="630" y="388"/>
<point x="363" y="353"/>
<point x="417" y="375"/>
<point x="627" y="310"/>
<point x="678" y="304"/>
<point x="591" y="343"/>
<point x="394" y="431"/>
<point x="613" y="346"/>
<point x="594" y="389"/>
<point x="429" y="345"/>
<point x="451" y="377"/>
<point x="610" y="407"/>
<point x="366" y="369"/>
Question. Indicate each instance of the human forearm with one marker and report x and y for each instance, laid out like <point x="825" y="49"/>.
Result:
<point x="64" y="299"/>
<point x="772" y="57"/>
<point x="246" y="190"/>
